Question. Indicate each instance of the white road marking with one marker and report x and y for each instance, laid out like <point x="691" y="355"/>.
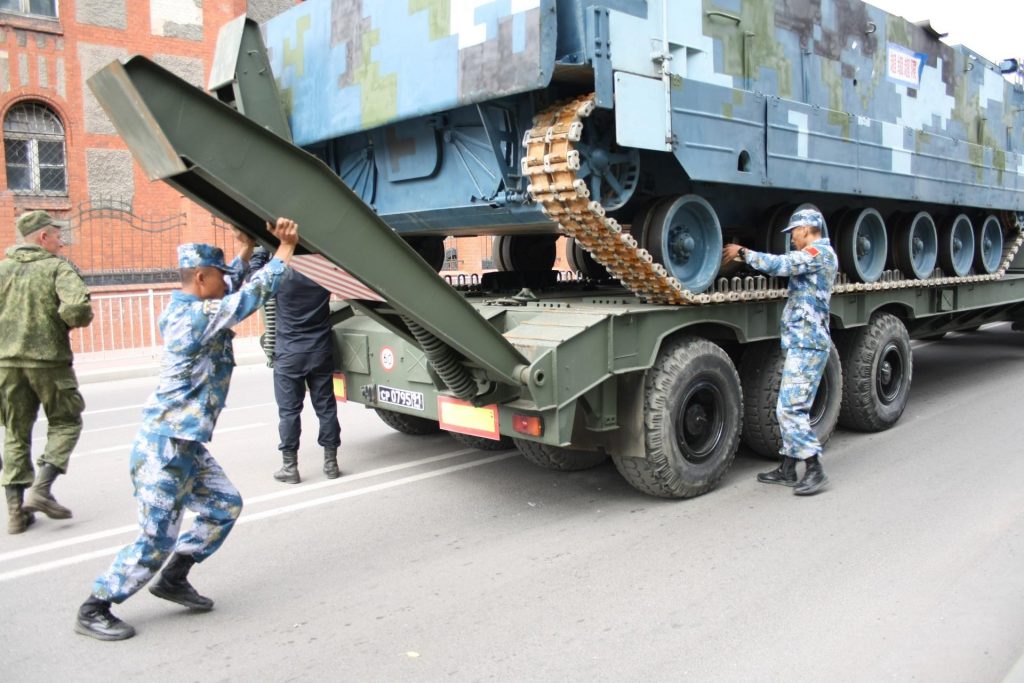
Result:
<point x="266" y="514"/>
<point x="291" y="491"/>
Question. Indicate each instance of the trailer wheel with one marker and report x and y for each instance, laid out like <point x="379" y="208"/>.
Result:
<point x="556" y="458"/>
<point x="408" y="424"/>
<point x="761" y="377"/>
<point x="692" y="417"/>
<point x="481" y="443"/>
<point x="877" y="370"/>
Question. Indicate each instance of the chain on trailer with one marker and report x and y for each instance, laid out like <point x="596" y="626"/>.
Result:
<point x="551" y="163"/>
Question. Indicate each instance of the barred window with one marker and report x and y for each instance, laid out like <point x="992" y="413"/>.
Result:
<point x="39" y="8"/>
<point x="34" y="150"/>
<point x="451" y="259"/>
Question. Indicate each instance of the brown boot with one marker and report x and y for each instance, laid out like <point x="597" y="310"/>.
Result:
<point x="39" y="499"/>
<point x="18" y="520"/>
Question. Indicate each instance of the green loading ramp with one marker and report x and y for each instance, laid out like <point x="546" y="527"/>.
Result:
<point x="248" y="175"/>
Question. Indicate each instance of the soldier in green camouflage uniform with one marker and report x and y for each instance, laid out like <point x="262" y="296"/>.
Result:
<point x="41" y="299"/>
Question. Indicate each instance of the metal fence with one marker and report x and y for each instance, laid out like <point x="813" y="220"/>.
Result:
<point x="126" y="322"/>
<point x="110" y="244"/>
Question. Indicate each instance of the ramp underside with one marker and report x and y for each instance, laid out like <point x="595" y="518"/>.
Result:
<point x="248" y="176"/>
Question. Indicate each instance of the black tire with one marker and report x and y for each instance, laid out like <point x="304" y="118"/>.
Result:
<point x="408" y="424"/>
<point x="877" y="370"/>
<point x="481" y="443"/>
<point x="692" y="385"/>
<point x="761" y="377"/>
<point x="559" y="459"/>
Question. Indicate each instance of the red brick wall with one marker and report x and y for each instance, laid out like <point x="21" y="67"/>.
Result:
<point x="55" y="44"/>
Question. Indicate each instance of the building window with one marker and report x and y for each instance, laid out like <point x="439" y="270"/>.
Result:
<point x="451" y="259"/>
<point x="39" y="8"/>
<point x="34" y="150"/>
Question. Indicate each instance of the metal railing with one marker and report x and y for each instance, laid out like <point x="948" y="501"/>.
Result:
<point x="129" y="323"/>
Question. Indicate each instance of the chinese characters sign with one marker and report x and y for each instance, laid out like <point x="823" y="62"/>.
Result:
<point x="904" y="66"/>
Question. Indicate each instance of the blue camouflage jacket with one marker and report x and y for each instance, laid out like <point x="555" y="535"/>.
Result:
<point x="812" y="272"/>
<point x="198" y="356"/>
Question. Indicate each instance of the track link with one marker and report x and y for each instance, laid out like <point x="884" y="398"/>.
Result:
<point x="551" y="162"/>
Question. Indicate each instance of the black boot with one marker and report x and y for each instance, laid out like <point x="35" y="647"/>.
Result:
<point x="289" y="472"/>
<point x="814" y="478"/>
<point x="96" y="621"/>
<point x="39" y="498"/>
<point x="331" y="463"/>
<point x="18" y="519"/>
<point x="173" y="584"/>
<point x="784" y="474"/>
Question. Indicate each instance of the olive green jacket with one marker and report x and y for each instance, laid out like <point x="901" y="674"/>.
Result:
<point x="41" y="299"/>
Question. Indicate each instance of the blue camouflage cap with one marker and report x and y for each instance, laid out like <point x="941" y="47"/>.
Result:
<point x="196" y="255"/>
<point x="811" y="217"/>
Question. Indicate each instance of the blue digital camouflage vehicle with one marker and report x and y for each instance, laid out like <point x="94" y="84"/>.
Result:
<point x="648" y="132"/>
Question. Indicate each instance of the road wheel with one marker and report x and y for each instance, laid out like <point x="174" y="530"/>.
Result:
<point x="556" y="458"/>
<point x="877" y="369"/>
<point x="481" y="443"/>
<point x="692" y="415"/>
<point x="408" y="424"/>
<point x="761" y="377"/>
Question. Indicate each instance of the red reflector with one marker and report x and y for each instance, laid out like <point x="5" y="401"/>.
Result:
<point x="531" y="425"/>
<point x="339" y="387"/>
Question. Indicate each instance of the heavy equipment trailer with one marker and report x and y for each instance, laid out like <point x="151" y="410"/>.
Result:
<point x="664" y="379"/>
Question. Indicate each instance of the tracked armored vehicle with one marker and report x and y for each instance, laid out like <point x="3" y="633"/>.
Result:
<point x="647" y="132"/>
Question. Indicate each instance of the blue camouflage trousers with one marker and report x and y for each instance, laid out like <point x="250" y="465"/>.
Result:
<point x="170" y="475"/>
<point x="801" y="374"/>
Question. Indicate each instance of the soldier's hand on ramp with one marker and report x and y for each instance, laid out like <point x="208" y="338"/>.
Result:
<point x="287" y="233"/>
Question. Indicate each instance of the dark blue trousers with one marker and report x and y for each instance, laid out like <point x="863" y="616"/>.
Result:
<point x="293" y="374"/>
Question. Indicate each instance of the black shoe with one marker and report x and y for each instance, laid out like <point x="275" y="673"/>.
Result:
<point x="289" y="472"/>
<point x="95" y="620"/>
<point x="784" y="474"/>
<point x="331" y="463"/>
<point x="182" y="593"/>
<point x="814" y="479"/>
<point x="173" y="585"/>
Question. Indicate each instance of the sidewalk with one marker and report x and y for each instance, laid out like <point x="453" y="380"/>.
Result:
<point x="106" y="366"/>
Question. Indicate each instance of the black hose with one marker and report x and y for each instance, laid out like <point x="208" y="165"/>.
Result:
<point x="453" y="373"/>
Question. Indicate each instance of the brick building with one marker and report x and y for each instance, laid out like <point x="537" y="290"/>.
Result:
<point x="61" y="152"/>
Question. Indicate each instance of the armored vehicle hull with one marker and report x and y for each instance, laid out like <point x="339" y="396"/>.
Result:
<point x="710" y="121"/>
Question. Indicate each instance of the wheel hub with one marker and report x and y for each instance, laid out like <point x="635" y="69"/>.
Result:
<point x="863" y="246"/>
<point x="599" y="161"/>
<point x="681" y="244"/>
<point x="700" y="421"/>
<point x="889" y="380"/>
<point x="696" y="419"/>
<point x="886" y="371"/>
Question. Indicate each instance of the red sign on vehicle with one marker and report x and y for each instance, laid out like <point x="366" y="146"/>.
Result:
<point x="387" y="358"/>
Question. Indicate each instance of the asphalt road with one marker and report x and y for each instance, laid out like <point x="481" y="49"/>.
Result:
<point x="428" y="561"/>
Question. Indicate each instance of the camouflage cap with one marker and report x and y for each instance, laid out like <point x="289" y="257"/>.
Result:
<point x="811" y="217"/>
<point x="196" y="255"/>
<point x="33" y="221"/>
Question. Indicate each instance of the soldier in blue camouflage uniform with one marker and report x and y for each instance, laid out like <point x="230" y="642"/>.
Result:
<point x="811" y="269"/>
<point x="170" y="466"/>
<point x="42" y="298"/>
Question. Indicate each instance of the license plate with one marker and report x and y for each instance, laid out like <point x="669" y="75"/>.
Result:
<point x="400" y="397"/>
